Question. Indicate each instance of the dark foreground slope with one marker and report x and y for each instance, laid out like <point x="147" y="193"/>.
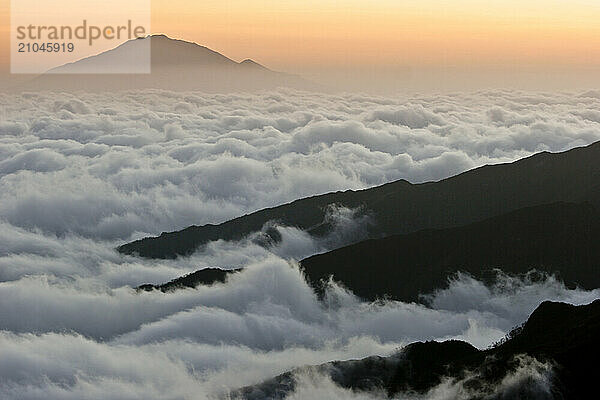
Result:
<point x="553" y="356"/>
<point x="560" y="238"/>
<point x="401" y="207"/>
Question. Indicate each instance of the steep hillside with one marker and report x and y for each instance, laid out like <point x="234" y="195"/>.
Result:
<point x="401" y="207"/>
<point x="559" y="239"/>
<point x="553" y="356"/>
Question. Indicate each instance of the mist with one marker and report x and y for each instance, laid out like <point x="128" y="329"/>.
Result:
<point x="81" y="174"/>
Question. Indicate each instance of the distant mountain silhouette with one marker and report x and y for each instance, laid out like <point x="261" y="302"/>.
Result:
<point x="207" y="276"/>
<point x="174" y="64"/>
<point x="559" y="239"/>
<point x="401" y="207"/>
<point x="558" y="334"/>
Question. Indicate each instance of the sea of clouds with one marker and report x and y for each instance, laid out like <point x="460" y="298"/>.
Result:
<point x="81" y="174"/>
<point x="115" y="165"/>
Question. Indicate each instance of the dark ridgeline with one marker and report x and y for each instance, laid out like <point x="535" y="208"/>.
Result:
<point x="558" y="334"/>
<point x="207" y="276"/>
<point x="560" y="238"/>
<point x="540" y="213"/>
<point x="401" y="207"/>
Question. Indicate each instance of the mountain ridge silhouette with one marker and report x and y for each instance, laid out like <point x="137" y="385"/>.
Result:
<point x="401" y="207"/>
<point x="164" y="63"/>
<point x="557" y="337"/>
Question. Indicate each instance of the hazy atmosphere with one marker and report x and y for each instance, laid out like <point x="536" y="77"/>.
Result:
<point x="82" y="174"/>
<point x="390" y="46"/>
<point x="303" y="200"/>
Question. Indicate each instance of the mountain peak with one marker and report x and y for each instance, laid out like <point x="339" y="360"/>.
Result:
<point x="172" y="64"/>
<point x="253" y="64"/>
<point x="248" y="61"/>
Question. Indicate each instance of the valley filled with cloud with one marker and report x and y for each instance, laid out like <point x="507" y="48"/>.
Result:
<point x="82" y="174"/>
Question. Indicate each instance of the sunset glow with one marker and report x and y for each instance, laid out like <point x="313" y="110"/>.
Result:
<point x="331" y="33"/>
<point x="354" y="32"/>
<point x="299" y="200"/>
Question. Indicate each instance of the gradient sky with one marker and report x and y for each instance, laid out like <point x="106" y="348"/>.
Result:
<point x="386" y="35"/>
<point x="383" y="32"/>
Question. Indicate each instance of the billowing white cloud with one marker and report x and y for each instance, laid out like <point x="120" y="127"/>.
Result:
<point x="81" y="174"/>
<point x="261" y="323"/>
<point x="117" y="167"/>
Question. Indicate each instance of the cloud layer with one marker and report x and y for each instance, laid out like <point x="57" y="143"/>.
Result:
<point x="65" y="342"/>
<point x="113" y="167"/>
<point x="81" y="174"/>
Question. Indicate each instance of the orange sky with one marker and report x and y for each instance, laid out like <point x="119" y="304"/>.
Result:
<point x="284" y="33"/>
<point x="295" y="35"/>
<point x="4" y="33"/>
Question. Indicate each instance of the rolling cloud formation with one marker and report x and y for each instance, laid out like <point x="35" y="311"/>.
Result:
<point x="81" y="174"/>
